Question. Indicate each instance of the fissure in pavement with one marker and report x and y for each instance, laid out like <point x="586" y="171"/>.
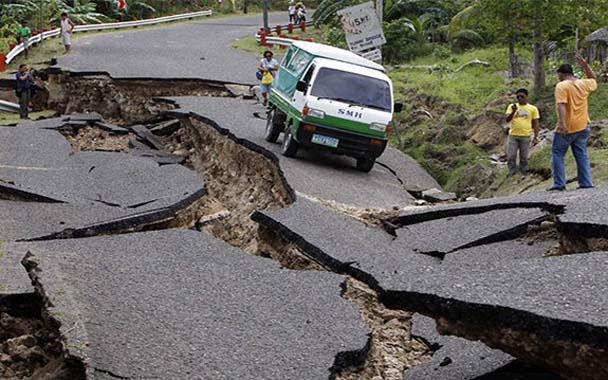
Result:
<point x="241" y="178"/>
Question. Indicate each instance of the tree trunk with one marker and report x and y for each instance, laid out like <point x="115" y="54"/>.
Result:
<point x="513" y="58"/>
<point x="245" y="4"/>
<point x="539" y="54"/>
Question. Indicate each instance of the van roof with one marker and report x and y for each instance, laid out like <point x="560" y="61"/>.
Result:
<point x="337" y="54"/>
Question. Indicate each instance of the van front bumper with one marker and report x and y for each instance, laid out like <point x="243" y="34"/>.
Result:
<point x="350" y="143"/>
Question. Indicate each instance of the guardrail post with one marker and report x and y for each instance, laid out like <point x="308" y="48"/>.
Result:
<point x="281" y="46"/>
<point x="278" y="29"/>
<point x="2" y="62"/>
<point x="303" y="26"/>
<point x="263" y="39"/>
<point x="308" y="40"/>
<point x="295" y="38"/>
<point x="11" y="46"/>
<point x="290" y="28"/>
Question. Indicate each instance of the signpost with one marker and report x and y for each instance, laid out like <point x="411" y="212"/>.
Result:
<point x="363" y="29"/>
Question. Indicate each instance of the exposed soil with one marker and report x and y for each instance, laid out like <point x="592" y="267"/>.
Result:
<point x="31" y="347"/>
<point x="95" y="139"/>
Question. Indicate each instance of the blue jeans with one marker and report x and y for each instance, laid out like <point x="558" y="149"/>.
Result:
<point x="578" y="142"/>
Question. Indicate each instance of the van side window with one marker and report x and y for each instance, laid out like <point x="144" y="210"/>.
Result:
<point x="287" y="57"/>
<point x="298" y="62"/>
<point x="308" y="75"/>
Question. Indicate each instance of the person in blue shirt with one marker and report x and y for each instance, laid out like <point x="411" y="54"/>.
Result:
<point x="23" y="90"/>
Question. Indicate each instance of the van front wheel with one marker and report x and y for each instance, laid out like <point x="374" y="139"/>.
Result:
<point x="273" y="127"/>
<point x="290" y="146"/>
<point x="365" y="164"/>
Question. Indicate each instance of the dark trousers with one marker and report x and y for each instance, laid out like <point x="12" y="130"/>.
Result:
<point x="24" y="101"/>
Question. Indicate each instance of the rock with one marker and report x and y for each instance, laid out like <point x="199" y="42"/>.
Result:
<point x="547" y="225"/>
<point x="5" y="359"/>
<point x="239" y="90"/>
<point x="25" y="340"/>
<point x="181" y="153"/>
<point x="166" y="128"/>
<point x="435" y="195"/>
<point x="420" y="202"/>
<point x="213" y="217"/>
<point x="471" y="199"/>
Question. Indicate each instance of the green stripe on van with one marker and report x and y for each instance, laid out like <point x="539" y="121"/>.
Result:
<point x="328" y="121"/>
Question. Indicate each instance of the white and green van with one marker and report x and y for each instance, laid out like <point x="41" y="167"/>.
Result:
<point x="328" y="98"/>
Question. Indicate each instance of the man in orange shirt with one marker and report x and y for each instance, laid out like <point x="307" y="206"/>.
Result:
<point x="573" y="128"/>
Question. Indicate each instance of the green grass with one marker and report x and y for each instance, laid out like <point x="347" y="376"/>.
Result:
<point x="13" y="118"/>
<point x="472" y="88"/>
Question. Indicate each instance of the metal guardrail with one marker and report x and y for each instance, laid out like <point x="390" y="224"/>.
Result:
<point x="8" y="106"/>
<point x="276" y="40"/>
<point x="95" y="27"/>
<point x="279" y="40"/>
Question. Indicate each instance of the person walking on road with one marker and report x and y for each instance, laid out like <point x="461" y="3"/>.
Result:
<point x="268" y="67"/>
<point x="23" y="90"/>
<point x="292" y="12"/>
<point x="571" y="96"/>
<point x="301" y="13"/>
<point x="23" y="34"/>
<point x="67" y="26"/>
<point x="524" y="119"/>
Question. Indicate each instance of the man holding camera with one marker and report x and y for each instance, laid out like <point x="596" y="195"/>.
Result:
<point x="524" y="119"/>
<point x="24" y="90"/>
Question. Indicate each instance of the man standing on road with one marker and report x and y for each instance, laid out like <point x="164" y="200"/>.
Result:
<point x="23" y="90"/>
<point x="524" y="119"/>
<point x="67" y="26"/>
<point x="268" y="67"/>
<point x="24" y="33"/>
<point x="572" y="129"/>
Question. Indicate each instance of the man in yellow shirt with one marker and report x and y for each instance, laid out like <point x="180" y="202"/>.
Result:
<point x="573" y="129"/>
<point x="524" y="119"/>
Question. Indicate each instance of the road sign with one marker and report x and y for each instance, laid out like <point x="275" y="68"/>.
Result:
<point x="373" y="55"/>
<point x="362" y="27"/>
<point x="121" y="4"/>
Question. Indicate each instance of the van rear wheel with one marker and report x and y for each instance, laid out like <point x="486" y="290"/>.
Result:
<point x="290" y="146"/>
<point x="274" y="126"/>
<point x="365" y="164"/>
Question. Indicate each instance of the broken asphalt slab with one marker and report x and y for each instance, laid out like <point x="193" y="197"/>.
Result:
<point x="555" y="302"/>
<point x="38" y="164"/>
<point x="179" y="303"/>
<point x="456" y="358"/>
<point x="324" y="176"/>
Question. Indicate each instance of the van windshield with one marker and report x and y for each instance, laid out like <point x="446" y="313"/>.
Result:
<point x="352" y="88"/>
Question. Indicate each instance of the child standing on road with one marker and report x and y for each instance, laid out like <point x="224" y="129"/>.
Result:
<point x="67" y="26"/>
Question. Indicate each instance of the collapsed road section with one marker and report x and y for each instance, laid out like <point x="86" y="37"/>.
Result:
<point x="139" y="187"/>
<point x="509" y="291"/>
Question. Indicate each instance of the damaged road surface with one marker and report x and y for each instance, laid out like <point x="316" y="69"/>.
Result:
<point x="182" y="304"/>
<point x="544" y="309"/>
<point x="318" y="176"/>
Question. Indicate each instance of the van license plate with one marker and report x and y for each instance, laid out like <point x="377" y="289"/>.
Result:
<point x="325" y="140"/>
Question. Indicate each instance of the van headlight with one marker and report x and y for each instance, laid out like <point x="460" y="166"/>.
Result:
<point x="378" y="127"/>
<point x="317" y="114"/>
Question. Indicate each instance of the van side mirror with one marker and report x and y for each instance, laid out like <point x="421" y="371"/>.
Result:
<point x="398" y="107"/>
<point x="301" y="86"/>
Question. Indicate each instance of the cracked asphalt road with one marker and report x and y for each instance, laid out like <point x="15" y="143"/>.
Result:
<point x="324" y="176"/>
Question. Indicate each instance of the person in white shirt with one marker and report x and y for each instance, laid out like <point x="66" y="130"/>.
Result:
<point x="67" y="26"/>
<point x="292" y="12"/>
